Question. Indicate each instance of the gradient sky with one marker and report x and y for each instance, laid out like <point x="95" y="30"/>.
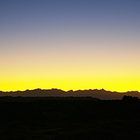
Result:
<point x="70" y="44"/>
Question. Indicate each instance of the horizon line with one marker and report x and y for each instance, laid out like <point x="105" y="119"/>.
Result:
<point x="99" y="89"/>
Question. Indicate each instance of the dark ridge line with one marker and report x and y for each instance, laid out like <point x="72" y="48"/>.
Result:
<point x="95" y="93"/>
<point x="12" y="91"/>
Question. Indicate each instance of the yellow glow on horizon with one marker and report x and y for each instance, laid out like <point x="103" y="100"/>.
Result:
<point x="68" y="69"/>
<point x="115" y="79"/>
<point x="120" y="86"/>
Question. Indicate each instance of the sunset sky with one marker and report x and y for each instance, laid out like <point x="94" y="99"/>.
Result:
<point x="70" y="44"/>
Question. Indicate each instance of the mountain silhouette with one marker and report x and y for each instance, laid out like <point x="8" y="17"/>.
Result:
<point x="95" y="93"/>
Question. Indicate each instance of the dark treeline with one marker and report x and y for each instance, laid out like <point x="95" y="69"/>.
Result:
<point x="69" y="118"/>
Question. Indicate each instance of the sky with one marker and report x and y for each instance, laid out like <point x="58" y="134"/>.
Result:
<point x="70" y="44"/>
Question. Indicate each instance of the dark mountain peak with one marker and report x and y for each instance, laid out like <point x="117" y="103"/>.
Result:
<point x="54" y="92"/>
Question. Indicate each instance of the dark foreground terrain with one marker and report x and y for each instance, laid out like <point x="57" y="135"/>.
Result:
<point x="23" y="118"/>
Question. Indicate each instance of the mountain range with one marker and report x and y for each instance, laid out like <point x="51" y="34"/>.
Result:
<point x="95" y="93"/>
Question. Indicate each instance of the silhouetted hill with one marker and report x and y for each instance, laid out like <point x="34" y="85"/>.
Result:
<point x="100" y="94"/>
<point x="69" y="118"/>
